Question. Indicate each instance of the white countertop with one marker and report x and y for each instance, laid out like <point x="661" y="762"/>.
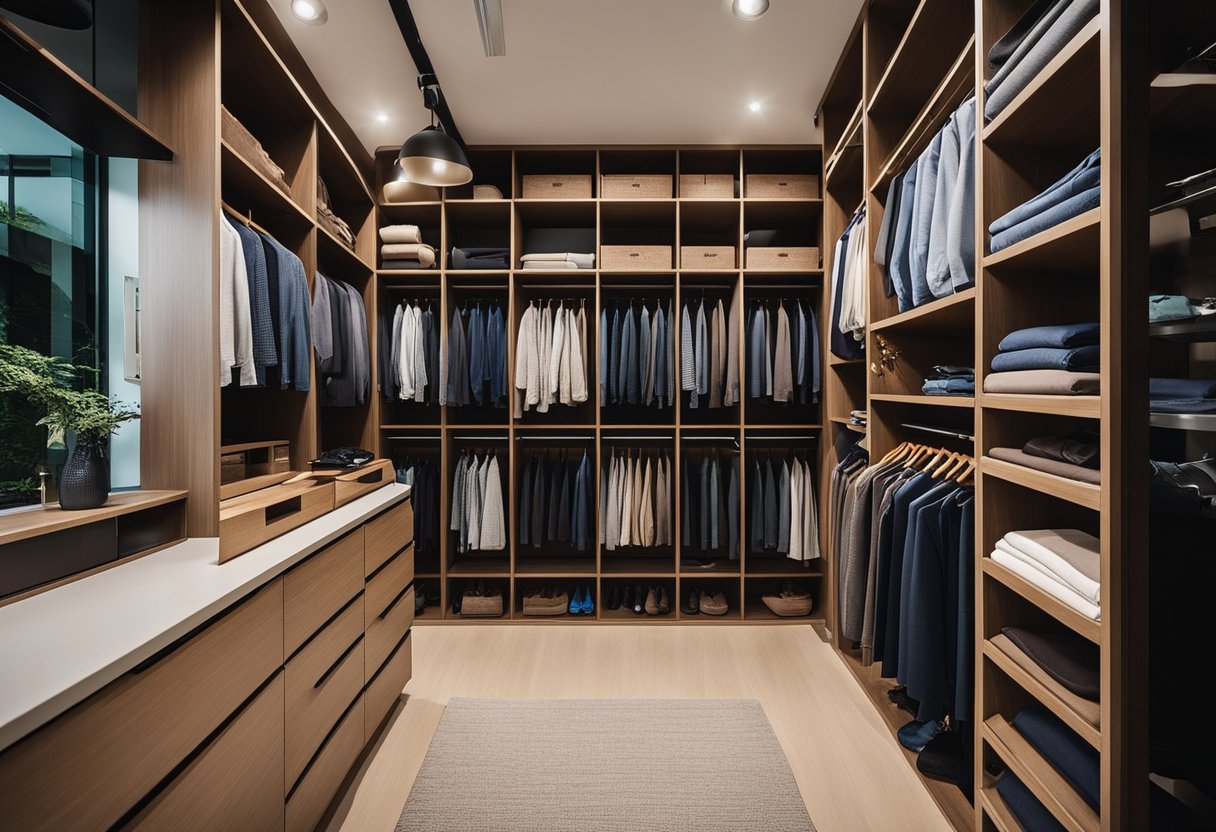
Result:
<point x="59" y="647"/>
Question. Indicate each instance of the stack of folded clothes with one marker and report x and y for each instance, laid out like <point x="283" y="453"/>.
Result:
<point x="1060" y="360"/>
<point x="1074" y="456"/>
<point x="402" y="248"/>
<point x="479" y="257"/>
<point x="948" y="380"/>
<point x="859" y="417"/>
<point x="332" y="222"/>
<point x="1077" y="761"/>
<point x="1064" y="563"/>
<point x="1182" y="395"/>
<point x="1073" y="194"/>
<point x="1059" y="660"/>
<point x="1022" y="53"/>
<point x="251" y="150"/>
<point x="558" y="260"/>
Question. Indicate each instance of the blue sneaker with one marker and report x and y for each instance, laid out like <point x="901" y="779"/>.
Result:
<point x="588" y="602"/>
<point x="576" y="602"/>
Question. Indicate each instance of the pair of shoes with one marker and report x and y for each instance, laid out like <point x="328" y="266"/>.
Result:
<point x="657" y="602"/>
<point x="710" y="600"/>
<point x="791" y="602"/>
<point x="545" y="601"/>
<point x="582" y="602"/>
<point x="482" y="598"/>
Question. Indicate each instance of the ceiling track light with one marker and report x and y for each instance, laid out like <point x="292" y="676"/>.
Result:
<point x="431" y="156"/>
<point x="493" y="32"/>
<point x="748" y="9"/>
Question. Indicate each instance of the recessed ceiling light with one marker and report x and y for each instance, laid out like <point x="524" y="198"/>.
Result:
<point x="748" y="9"/>
<point x="310" y="11"/>
<point x="382" y="117"/>
<point x="755" y="106"/>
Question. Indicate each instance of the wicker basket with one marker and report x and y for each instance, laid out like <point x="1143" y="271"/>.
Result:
<point x="782" y="186"/>
<point x="557" y="186"/>
<point x="707" y="257"/>
<point x="625" y="186"/>
<point x="635" y="258"/>
<point x="778" y="258"/>
<point x="707" y="186"/>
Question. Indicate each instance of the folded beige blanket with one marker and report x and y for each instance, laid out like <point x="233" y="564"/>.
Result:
<point x="486" y="192"/>
<point x="400" y="234"/>
<point x="421" y="252"/>
<point x="1043" y="383"/>
<point x="551" y="265"/>
<point x="585" y="261"/>
<point x="1048" y="466"/>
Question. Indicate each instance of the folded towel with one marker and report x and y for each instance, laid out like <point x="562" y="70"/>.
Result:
<point x="1076" y="760"/>
<point x="1056" y="589"/>
<point x="1088" y="709"/>
<point x="1056" y="335"/>
<point x="1181" y="388"/>
<point x="551" y="265"/>
<point x="400" y="234"/>
<point x="1069" y="659"/>
<point x="583" y="261"/>
<point x="1079" y="448"/>
<point x="1070" y="554"/>
<point x="421" y="252"/>
<point x="1043" y="383"/>
<point x="1079" y="359"/>
<point x="1047" y="466"/>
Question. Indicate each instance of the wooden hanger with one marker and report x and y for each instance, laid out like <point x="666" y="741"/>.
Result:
<point x="896" y="452"/>
<point x="246" y="219"/>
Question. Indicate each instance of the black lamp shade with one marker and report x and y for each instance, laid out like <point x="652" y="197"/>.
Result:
<point x="432" y="157"/>
<point x="65" y="14"/>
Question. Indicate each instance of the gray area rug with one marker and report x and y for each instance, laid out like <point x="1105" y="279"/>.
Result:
<point x="604" y="766"/>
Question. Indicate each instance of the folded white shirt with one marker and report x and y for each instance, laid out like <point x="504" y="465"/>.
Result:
<point x="400" y="234"/>
<point x="551" y="265"/>
<point x="1070" y="554"/>
<point x="583" y="261"/>
<point x="1052" y="586"/>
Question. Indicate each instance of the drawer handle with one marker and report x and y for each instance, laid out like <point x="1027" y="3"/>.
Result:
<point x="783" y="254"/>
<point x="635" y="254"/>
<point x="372" y="476"/>
<point x="333" y="667"/>
<point x="393" y="603"/>
<point x="281" y="509"/>
<point x="556" y="184"/>
<point x="710" y="254"/>
<point x="636" y="185"/>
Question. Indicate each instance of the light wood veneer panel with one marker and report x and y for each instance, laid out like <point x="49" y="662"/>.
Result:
<point x="319" y="587"/>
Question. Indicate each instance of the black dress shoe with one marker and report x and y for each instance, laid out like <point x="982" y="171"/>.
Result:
<point x="456" y="596"/>
<point x="639" y="600"/>
<point x="614" y="599"/>
<point x="692" y="603"/>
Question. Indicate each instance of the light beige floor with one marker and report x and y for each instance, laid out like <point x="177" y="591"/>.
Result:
<point x="849" y="770"/>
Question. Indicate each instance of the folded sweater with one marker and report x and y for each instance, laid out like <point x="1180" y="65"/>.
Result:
<point x="1043" y="383"/>
<point x="1081" y="359"/>
<point x="1017" y="456"/>
<point x="1070" y="554"/>
<point x="1055" y="335"/>
<point x="400" y="234"/>
<point x="421" y="252"/>
<point x="1076" y="760"/>
<point x="582" y="261"/>
<point x="1026" y="570"/>
<point x="1181" y="388"/>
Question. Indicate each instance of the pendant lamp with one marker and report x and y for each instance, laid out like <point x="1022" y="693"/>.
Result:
<point x="431" y="156"/>
<point x="65" y="14"/>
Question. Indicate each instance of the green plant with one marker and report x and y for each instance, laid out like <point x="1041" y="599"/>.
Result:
<point x="50" y="383"/>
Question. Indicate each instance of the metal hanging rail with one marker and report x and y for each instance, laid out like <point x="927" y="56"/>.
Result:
<point x="967" y="437"/>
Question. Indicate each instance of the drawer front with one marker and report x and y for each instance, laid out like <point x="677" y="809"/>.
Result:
<point x="319" y="587"/>
<point x="307" y="805"/>
<point x="707" y="257"/>
<point x="234" y="782"/>
<point x="387" y="685"/>
<point x="780" y="185"/>
<point x="384" y="587"/>
<point x="557" y="186"/>
<point x="322" y="679"/>
<point x="386" y="629"/>
<point x="387" y="534"/>
<point x="87" y="768"/>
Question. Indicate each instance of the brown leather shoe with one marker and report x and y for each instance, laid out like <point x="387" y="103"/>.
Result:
<point x="713" y="602"/>
<point x="664" y="601"/>
<point x="652" y="601"/>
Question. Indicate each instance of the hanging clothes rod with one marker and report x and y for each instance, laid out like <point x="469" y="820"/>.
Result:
<point x="534" y="437"/>
<point x="246" y="218"/>
<point x="789" y="438"/>
<point x="406" y="437"/>
<point x="471" y="438"/>
<point x="940" y="431"/>
<point x="659" y="436"/>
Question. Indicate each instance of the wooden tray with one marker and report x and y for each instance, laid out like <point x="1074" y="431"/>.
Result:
<point x="252" y="519"/>
<point x="350" y="485"/>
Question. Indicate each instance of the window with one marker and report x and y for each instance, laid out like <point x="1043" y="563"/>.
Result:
<point x="51" y="298"/>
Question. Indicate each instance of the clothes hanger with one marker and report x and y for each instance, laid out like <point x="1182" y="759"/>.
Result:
<point x="895" y="452"/>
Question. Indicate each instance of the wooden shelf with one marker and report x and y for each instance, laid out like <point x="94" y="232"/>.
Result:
<point x="929" y="401"/>
<point x="996" y="810"/>
<point x="1197" y="331"/>
<point x="538" y="566"/>
<point x="949" y="314"/>
<point x="481" y="567"/>
<point x="1081" y="407"/>
<point x="1071" y="246"/>
<point x="936" y="26"/>
<point x="1081" y="493"/>
<point x="848" y="423"/>
<point x="32" y="522"/>
<point x="1059" y="108"/>
<point x="1039" y="776"/>
<point x="846" y="158"/>
<point x="756" y="611"/>
<point x="333" y="252"/>
<point x="1050" y="700"/>
<point x="256" y="193"/>
<point x="1066" y="615"/>
<point x="1205" y="422"/>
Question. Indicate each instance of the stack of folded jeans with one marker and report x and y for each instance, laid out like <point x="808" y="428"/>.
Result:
<point x="1024" y="51"/>
<point x="1047" y="360"/>
<point x="479" y="258"/>
<point x="1182" y="395"/>
<point x="1064" y="563"/>
<point x="1073" y="194"/>
<point x="949" y="380"/>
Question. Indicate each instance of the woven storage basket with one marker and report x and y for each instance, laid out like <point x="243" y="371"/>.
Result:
<point x="707" y="186"/>
<point x="557" y="186"/>
<point x="625" y="186"/>
<point x="782" y="186"/>
<point x="635" y="258"/>
<point x="707" y="257"/>
<point x="776" y="258"/>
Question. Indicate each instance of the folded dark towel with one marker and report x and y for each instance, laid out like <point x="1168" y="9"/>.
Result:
<point x="1066" y="657"/>
<point x="1077" y="359"/>
<point x="1056" y="335"/>
<point x="1080" y="448"/>
<point x="1077" y="761"/>
<point x="1181" y="388"/>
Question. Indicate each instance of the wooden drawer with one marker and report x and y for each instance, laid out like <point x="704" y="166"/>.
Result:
<point x="387" y="626"/>
<point x="252" y="519"/>
<point x="707" y="186"/>
<point x="322" y="679"/>
<point x="355" y="484"/>
<point x="386" y="686"/>
<point x="627" y="186"/>
<point x="707" y="257"/>
<point x="384" y="587"/>
<point x="782" y="186"/>
<point x="387" y="534"/>
<point x="557" y="186"/>
<point x="794" y="258"/>
<point x="85" y="769"/>
<point x="234" y="783"/>
<point x="320" y="586"/>
<point x="635" y="258"/>
<point x="307" y="804"/>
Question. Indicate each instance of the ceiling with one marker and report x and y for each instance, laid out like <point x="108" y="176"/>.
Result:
<point x="584" y="71"/>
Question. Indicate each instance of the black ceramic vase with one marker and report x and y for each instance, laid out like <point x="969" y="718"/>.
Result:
<point x="85" y="480"/>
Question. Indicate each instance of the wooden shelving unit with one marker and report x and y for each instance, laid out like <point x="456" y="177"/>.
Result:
<point x="441" y="433"/>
